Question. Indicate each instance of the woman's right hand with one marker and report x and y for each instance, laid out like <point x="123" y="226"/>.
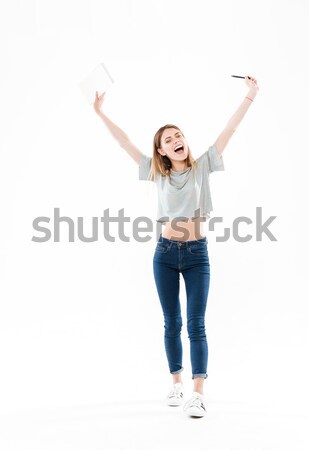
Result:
<point x="98" y="102"/>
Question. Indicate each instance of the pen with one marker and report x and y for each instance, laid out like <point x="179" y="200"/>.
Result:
<point x="237" y="76"/>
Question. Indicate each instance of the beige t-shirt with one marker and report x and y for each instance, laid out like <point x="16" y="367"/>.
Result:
<point x="184" y="195"/>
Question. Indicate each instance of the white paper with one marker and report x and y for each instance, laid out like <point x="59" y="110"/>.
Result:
<point x="97" y="80"/>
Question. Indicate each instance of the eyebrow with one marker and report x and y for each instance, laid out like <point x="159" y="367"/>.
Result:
<point x="174" y="135"/>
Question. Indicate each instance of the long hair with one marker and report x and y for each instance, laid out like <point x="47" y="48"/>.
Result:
<point x="162" y="164"/>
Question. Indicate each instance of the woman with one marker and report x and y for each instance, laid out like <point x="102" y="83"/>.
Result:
<point x="184" y="203"/>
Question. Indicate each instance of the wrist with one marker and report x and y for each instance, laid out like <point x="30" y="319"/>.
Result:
<point x="100" y="113"/>
<point x="252" y="93"/>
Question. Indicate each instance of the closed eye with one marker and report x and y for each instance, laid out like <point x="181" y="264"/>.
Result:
<point x="167" y="140"/>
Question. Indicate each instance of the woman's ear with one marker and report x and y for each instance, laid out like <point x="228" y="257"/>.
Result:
<point x="161" y="152"/>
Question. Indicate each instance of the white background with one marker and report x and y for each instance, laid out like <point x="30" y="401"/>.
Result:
<point x="81" y="323"/>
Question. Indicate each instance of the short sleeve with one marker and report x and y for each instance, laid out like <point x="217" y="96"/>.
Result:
<point x="144" y="167"/>
<point x="212" y="159"/>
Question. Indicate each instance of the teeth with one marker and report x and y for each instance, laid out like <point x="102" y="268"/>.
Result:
<point x="179" y="146"/>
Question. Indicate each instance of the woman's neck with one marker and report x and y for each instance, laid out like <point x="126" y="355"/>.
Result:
<point x="179" y="166"/>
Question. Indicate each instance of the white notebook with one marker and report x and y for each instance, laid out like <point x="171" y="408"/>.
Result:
<point x="97" y="80"/>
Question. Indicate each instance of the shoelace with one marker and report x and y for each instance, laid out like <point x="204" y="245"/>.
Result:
<point x="196" y="401"/>
<point x="175" y="392"/>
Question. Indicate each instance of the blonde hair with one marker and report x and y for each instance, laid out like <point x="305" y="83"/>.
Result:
<point x="162" y="164"/>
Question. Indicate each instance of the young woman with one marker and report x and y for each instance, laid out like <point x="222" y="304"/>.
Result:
<point x="184" y="203"/>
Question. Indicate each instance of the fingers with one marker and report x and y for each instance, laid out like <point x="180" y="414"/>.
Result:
<point x="251" y="79"/>
<point x="99" y="97"/>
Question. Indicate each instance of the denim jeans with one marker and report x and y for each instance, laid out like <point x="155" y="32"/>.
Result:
<point x="190" y="258"/>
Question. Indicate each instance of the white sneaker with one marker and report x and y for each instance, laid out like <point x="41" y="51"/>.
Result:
<point x="175" y="396"/>
<point x="195" y="406"/>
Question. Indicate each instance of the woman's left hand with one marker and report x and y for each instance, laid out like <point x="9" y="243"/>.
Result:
<point x="252" y="83"/>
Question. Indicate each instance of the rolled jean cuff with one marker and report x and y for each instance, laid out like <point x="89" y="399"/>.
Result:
<point x="199" y="375"/>
<point x="177" y="371"/>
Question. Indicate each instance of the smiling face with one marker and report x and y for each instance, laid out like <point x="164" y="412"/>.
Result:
<point x="173" y="145"/>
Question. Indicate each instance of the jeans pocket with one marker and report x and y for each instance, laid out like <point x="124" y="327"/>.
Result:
<point x="198" y="249"/>
<point x="162" y="248"/>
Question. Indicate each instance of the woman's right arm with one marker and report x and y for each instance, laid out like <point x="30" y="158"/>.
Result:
<point x="120" y="136"/>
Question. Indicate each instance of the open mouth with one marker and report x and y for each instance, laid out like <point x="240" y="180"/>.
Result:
<point x="179" y="149"/>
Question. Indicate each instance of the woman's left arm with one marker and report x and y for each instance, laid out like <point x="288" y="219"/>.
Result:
<point x="237" y="117"/>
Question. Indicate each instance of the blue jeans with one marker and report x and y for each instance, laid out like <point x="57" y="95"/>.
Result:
<point x="191" y="259"/>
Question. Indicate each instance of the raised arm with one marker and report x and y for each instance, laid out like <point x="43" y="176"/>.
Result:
<point x="237" y="117"/>
<point x="120" y="136"/>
